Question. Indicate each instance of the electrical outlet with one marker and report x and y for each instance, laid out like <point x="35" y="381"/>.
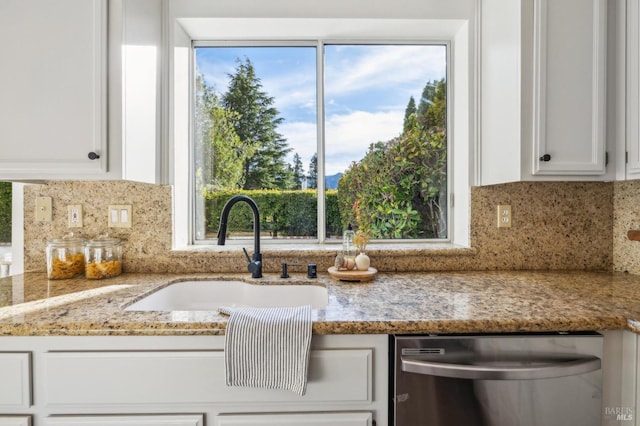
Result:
<point x="74" y="216"/>
<point x="504" y="216"/>
<point x="120" y="216"/>
<point x="43" y="209"/>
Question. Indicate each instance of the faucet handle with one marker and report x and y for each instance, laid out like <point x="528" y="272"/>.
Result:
<point x="246" y="254"/>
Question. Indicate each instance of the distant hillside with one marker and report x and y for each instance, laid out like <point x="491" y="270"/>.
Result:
<point x="331" y="182"/>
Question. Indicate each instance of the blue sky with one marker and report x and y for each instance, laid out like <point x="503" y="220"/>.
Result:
<point x="367" y="88"/>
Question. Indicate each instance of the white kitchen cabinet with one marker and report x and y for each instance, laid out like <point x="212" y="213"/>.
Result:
<point x="314" y="419"/>
<point x="569" y="81"/>
<point x="149" y="380"/>
<point x="160" y="420"/>
<point x="15" y="381"/>
<point x="632" y="140"/>
<point x="108" y="378"/>
<point x="543" y="84"/>
<point x="620" y="378"/>
<point x="15" y="420"/>
<point x="53" y="85"/>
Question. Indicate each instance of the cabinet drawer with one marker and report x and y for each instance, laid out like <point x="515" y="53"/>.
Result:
<point x="296" y="419"/>
<point x="15" y="382"/>
<point x="193" y="377"/>
<point x="15" y="420"/>
<point x="159" y="420"/>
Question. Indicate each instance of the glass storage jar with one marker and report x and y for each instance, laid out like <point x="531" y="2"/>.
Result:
<point x="65" y="257"/>
<point x="104" y="258"/>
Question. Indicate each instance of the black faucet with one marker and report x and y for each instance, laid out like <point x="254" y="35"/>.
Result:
<point x="255" y="265"/>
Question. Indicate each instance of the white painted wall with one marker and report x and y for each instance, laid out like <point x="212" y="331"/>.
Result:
<point x="454" y="21"/>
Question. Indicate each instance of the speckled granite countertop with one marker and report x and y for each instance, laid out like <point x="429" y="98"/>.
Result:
<point x="442" y="302"/>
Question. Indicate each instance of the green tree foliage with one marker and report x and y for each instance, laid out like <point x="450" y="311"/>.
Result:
<point x="255" y="122"/>
<point x="433" y="107"/>
<point x="5" y="212"/>
<point x="312" y="178"/>
<point x="298" y="172"/>
<point x="408" y="112"/>
<point x="220" y="158"/>
<point x="398" y="190"/>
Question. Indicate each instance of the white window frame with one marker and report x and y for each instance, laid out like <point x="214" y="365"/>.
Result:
<point x="454" y="22"/>
<point x="319" y="45"/>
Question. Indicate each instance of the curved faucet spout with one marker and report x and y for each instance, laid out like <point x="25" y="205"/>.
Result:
<point x="255" y="265"/>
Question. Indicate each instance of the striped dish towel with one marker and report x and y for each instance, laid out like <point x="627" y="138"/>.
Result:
<point x="268" y="347"/>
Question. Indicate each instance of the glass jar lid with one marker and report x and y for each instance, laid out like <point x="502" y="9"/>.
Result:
<point x="67" y="240"/>
<point x="103" y="240"/>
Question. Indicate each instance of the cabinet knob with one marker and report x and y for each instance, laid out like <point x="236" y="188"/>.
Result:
<point x="545" y="157"/>
<point x="93" y="156"/>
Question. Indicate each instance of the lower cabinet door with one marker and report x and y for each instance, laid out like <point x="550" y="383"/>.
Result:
<point x="15" y="420"/>
<point x="129" y="420"/>
<point x="15" y="382"/>
<point x="295" y="419"/>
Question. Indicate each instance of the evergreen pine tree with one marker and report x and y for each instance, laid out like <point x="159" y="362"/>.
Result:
<point x="256" y="124"/>
<point x="312" y="182"/>
<point x="298" y="172"/>
<point x="409" y="110"/>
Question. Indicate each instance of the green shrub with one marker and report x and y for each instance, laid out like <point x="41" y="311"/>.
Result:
<point x="398" y="190"/>
<point x="5" y="212"/>
<point x="282" y="213"/>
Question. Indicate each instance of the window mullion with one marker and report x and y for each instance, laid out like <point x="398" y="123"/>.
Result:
<point x="321" y="216"/>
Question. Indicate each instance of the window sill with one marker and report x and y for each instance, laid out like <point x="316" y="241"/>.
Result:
<point x="302" y="249"/>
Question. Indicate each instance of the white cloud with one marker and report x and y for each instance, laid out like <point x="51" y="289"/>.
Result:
<point x="292" y="91"/>
<point x="302" y="137"/>
<point x="216" y="74"/>
<point x="347" y="137"/>
<point x="385" y="66"/>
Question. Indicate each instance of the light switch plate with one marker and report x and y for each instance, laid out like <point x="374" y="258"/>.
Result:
<point x="119" y="215"/>
<point x="43" y="209"/>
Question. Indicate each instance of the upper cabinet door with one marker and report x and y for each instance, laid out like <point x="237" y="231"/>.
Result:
<point x="53" y="86"/>
<point x="543" y="84"/>
<point x="569" y="87"/>
<point x="633" y="90"/>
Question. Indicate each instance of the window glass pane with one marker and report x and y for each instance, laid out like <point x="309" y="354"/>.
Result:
<point x="5" y="228"/>
<point x="256" y="133"/>
<point x="385" y="127"/>
<point x="385" y="139"/>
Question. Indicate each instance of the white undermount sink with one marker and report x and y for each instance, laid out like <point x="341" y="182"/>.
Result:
<point x="210" y="295"/>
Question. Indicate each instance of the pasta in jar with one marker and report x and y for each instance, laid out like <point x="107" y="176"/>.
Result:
<point x="65" y="257"/>
<point x="103" y="258"/>
<point x="104" y="269"/>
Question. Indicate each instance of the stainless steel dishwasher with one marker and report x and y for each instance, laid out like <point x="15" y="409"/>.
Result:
<point x="497" y="380"/>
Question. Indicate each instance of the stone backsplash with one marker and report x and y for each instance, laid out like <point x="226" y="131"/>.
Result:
<point x="626" y="217"/>
<point x="142" y="244"/>
<point x="556" y="225"/>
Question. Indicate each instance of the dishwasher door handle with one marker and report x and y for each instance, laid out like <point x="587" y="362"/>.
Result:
<point x="560" y="368"/>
